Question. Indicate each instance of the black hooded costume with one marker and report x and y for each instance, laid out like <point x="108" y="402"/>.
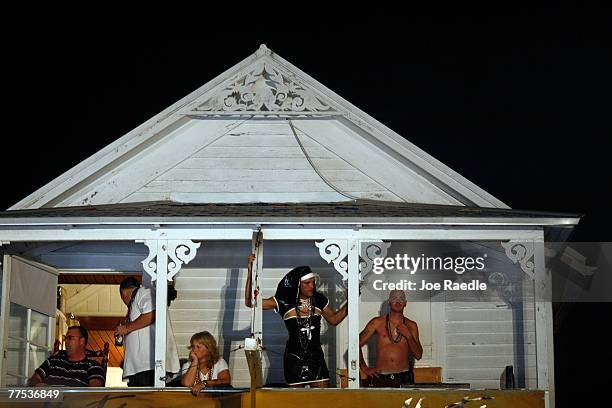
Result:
<point x="304" y="361"/>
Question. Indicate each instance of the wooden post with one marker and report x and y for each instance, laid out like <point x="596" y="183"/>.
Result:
<point x="353" y="313"/>
<point x="544" y="323"/>
<point x="6" y="283"/>
<point x="256" y="279"/>
<point x="255" y="371"/>
<point x="161" y="296"/>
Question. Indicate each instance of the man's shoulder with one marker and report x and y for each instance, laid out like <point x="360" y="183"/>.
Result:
<point x="145" y="297"/>
<point x="58" y="358"/>
<point x="410" y="322"/>
<point x="144" y="292"/>
<point x="377" y="320"/>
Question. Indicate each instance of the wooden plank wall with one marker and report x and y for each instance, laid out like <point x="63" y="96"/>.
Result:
<point x="484" y="337"/>
<point x="201" y="306"/>
<point x="260" y="161"/>
<point x="211" y="297"/>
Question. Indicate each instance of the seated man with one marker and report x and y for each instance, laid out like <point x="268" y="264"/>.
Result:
<point x="397" y="344"/>
<point x="70" y="368"/>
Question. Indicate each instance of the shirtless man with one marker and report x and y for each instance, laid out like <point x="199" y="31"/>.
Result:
<point x="397" y="341"/>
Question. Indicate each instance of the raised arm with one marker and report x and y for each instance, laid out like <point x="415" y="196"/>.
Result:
<point x="410" y="331"/>
<point x="334" y="318"/>
<point x="364" y="336"/>
<point x="249" y="285"/>
<point x="188" y="376"/>
<point x="268" y="303"/>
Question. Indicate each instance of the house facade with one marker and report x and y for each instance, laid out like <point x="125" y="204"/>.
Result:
<point x="265" y="159"/>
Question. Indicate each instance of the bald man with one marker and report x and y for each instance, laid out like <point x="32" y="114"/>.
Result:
<point x="397" y="344"/>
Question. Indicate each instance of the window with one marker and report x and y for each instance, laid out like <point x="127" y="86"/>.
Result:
<point x="28" y="343"/>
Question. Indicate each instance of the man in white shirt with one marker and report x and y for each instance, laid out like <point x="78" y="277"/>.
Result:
<point x="139" y="335"/>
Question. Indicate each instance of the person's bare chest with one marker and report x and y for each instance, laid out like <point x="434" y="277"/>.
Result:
<point x="390" y="337"/>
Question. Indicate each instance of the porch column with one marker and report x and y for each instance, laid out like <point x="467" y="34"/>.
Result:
<point x="6" y="279"/>
<point x="353" y="312"/>
<point x="344" y="254"/>
<point x="353" y="259"/>
<point x="162" y="271"/>
<point x="256" y="310"/>
<point x="545" y="351"/>
<point x="530" y="256"/>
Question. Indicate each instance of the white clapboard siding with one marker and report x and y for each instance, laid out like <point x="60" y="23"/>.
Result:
<point x="136" y="168"/>
<point x="374" y="160"/>
<point x="265" y="174"/>
<point x="258" y="152"/>
<point x="212" y="299"/>
<point x="295" y="197"/>
<point x="266" y="186"/>
<point x="241" y="163"/>
<point x="93" y="300"/>
<point x="260" y="161"/>
<point x="485" y="327"/>
<point x="482" y="339"/>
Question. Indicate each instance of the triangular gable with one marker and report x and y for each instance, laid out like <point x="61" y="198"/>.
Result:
<point x="276" y="135"/>
<point x="262" y="162"/>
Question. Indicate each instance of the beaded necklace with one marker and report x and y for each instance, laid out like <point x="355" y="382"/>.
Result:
<point x="208" y="376"/>
<point x="304" y="323"/>
<point x="399" y="335"/>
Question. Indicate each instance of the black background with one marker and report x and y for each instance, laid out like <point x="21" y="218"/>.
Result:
<point x="515" y="100"/>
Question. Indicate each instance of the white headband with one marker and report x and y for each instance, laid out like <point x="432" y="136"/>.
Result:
<point x="308" y="276"/>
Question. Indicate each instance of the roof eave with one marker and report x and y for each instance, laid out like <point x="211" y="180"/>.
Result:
<point x="398" y="221"/>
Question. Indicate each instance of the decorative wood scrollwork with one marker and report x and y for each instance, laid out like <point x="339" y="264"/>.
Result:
<point x="335" y="251"/>
<point x="265" y="88"/>
<point x="179" y="252"/>
<point x="371" y="250"/>
<point x="521" y="252"/>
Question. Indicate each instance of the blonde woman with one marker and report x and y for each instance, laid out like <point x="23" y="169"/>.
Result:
<point x="205" y="368"/>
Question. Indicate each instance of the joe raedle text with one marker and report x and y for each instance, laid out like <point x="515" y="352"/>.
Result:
<point x="424" y="285"/>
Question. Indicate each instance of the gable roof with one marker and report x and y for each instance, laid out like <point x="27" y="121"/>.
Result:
<point x="261" y="131"/>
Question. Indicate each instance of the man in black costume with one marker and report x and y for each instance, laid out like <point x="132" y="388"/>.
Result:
<point x="300" y="305"/>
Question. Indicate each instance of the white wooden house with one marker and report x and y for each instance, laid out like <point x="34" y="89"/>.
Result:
<point x="265" y="147"/>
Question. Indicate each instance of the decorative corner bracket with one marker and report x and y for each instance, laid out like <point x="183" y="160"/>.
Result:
<point x="179" y="252"/>
<point x="521" y="252"/>
<point x="335" y="251"/>
<point x="371" y="250"/>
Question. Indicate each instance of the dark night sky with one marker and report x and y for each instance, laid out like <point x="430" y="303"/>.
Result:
<point x="517" y="101"/>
